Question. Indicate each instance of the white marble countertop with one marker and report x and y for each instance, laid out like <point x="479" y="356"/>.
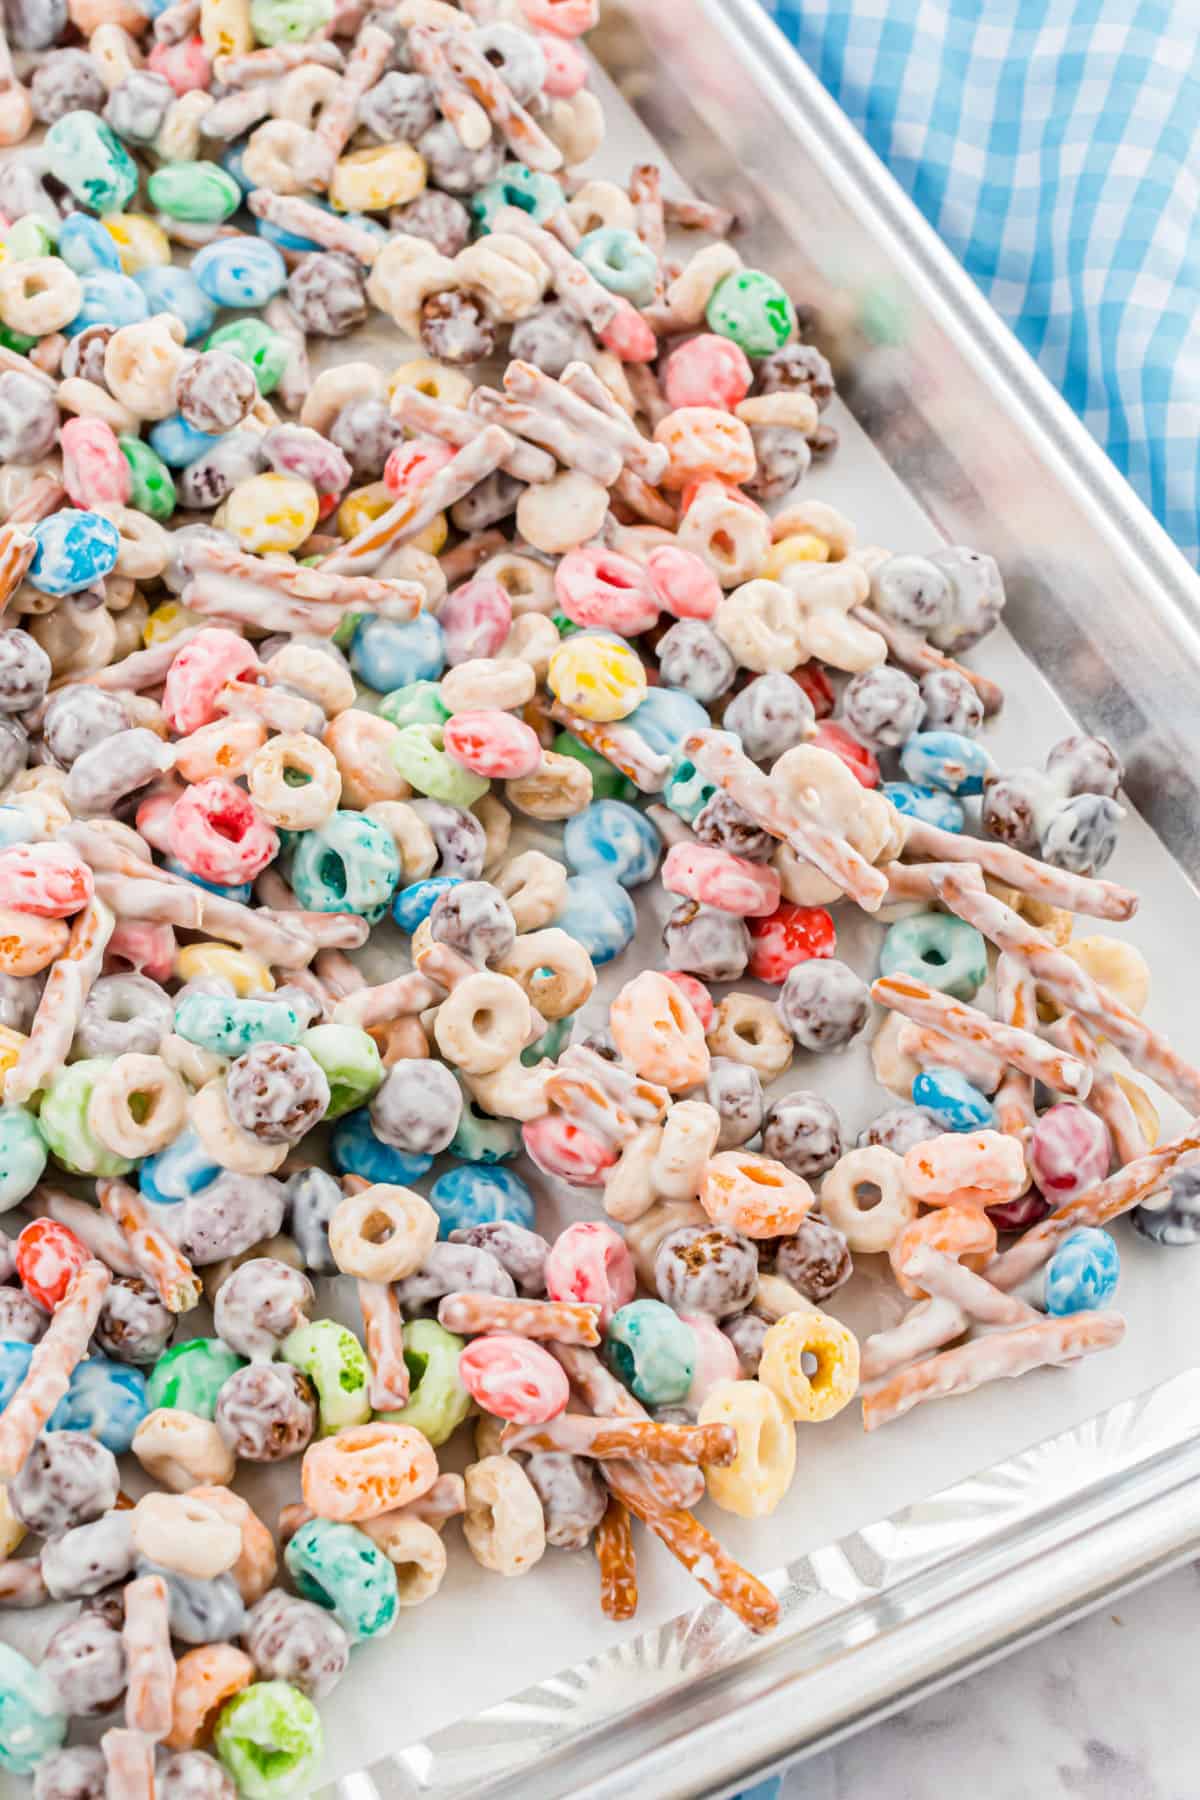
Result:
<point x="1106" y="1709"/>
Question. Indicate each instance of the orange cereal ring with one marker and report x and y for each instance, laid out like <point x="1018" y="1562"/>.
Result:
<point x="656" y="1030"/>
<point x="754" y="1194"/>
<point x="204" y="1680"/>
<point x="966" y="1168"/>
<point x="963" y="1232"/>
<point x="365" y="1470"/>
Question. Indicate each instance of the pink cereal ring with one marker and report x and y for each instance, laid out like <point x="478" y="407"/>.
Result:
<point x="716" y="877"/>
<point x="597" y="587"/>
<point x="683" y="583"/>
<point x="218" y="833"/>
<point x="199" y="672"/>
<point x="495" y="744"/>
<point x="146" y="948"/>
<point x="94" y="471"/>
<point x="705" y="441"/>
<point x="475" y="620"/>
<point x="514" y="1379"/>
<point x="716" y="1359"/>
<point x="707" y="371"/>
<point x="566" y="67"/>
<point x="365" y="1470"/>
<point x="186" y="66"/>
<point x="590" y="1262"/>
<point x="696" y="995"/>
<point x="1069" y="1149"/>
<point x="628" y="336"/>
<point x="560" y="1148"/>
<point x="47" y="879"/>
<point x="412" y="464"/>
<point x="565" y="18"/>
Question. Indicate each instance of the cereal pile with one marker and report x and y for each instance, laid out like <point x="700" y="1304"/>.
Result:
<point x="288" y="657"/>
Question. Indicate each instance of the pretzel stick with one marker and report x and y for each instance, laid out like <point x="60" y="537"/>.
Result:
<point x="649" y="218"/>
<point x="561" y="1320"/>
<point x="619" y="744"/>
<point x="268" y="64"/>
<point x="701" y="1555"/>
<point x="455" y="425"/>
<point x="699" y="215"/>
<point x="667" y="1487"/>
<point x="925" y="1006"/>
<point x="269" y="595"/>
<point x="1062" y="979"/>
<point x="146" y="1639"/>
<point x="942" y="1278"/>
<point x="1106" y="1097"/>
<point x="21" y="1586"/>
<point x="93" y="1228"/>
<point x="523" y="135"/>
<point x="718" y="755"/>
<point x="325" y="931"/>
<point x="925" y="1327"/>
<point x="1077" y="893"/>
<point x="1046" y="1343"/>
<point x="61" y="1006"/>
<point x="581" y="382"/>
<point x="17" y="551"/>
<point x="338" y="975"/>
<point x="372" y="49"/>
<point x="934" y="1050"/>
<point x="911" y="652"/>
<point x="177" y="22"/>
<point x="613" y="1544"/>
<point x="51" y="1366"/>
<point x="1096" y="1205"/>
<point x="142" y="669"/>
<point x="167" y="1270"/>
<point x="129" y="1765"/>
<point x="129" y="898"/>
<point x="1016" y="1004"/>
<point x="384" y="1328"/>
<point x="645" y="500"/>
<point x="427" y="52"/>
<point x="414" y="511"/>
<point x="237" y="112"/>
<point x="574" y="447"/>
<point x="330" y="230"/>
<point x="581" y="1435"/>
<point x="574" y="283"/>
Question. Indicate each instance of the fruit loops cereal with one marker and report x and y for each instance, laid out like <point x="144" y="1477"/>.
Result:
<point x="353" y="714"/>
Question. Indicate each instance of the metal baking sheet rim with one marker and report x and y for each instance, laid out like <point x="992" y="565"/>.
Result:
<point x="698" y="1706"/>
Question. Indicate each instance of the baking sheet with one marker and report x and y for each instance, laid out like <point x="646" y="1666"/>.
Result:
<point x="481" y="1639"/>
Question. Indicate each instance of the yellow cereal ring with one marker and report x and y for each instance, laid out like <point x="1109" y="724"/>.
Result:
<point x="804" y="547"/>
<point x="834" y="1381"/>
<point x="372" y="180"/>
<point x="141" y="242"/>
<point x="271" y="512"/>
<point x="248" y="974"/>
<point x="597" y="678"/>
<point x="754" y="1483"/>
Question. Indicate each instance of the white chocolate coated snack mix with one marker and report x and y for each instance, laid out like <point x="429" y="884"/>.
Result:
<point x="352" y="712"/>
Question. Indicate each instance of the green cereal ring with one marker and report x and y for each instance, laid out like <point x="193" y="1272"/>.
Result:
<point x="418" y="755"/>
<point x="939" y="949"/>
<point x="199" y="192"/>
<point x="334" y="1361"/>
<point x="63" y="1117"/>
<point x="538" y="195"/>
<point x="30" y="236"/>
<point x="152" y="489"/>
<point x="22" y="1155"/>
<point x="88" y="157"/>
<point x="608" y="783"/>
<point x="420" y="703"/>
<point x="438" y="1401"/>
<point x="342" y="1569"/>
<point x="753" y="310"/>
<point x="348" y="864"/>
<point x="288" y="21"/>
<point x="479" y="1137"/>
<point x="686" y="792"/>
<point x="16" y="340"/>
<point x="269" y="1738"/>
<point x="255" y="344"/>
<point x="351" y="1061"/>
<point x="227" y="1026"/>
<point x="32" y="1720"/>
<point x="552" y="1041"/>
<point x="190" y="1376"/>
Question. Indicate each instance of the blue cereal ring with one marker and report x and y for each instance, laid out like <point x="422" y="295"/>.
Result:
<point x="947" y="760"/>
<point x="1083" y="1273"/>
<point x="476" y="1195"/>
<point x="242" y="272"/>
<point x="611" y="838"/>
<point x="340" y="1568"/>
<point x="105" y="1399"/>
<point x="953" y="1101"/>
<point x="387" y="653"/>
<point x="74" y="549"/>
<point x="349" y="864"/>
<point x="939" y="949"/>
<point x="355" y="1150"/>
<point x="177" y="442"/>
<point x="168" y="289"/>
<point x="227" y="1026"/>
<point x="621" y="262"/>
<point x="931" y="805"/>
<point x="414" y="903"/>
<point x="109" y="298"/>
<point x="666" y="718"/>
<point x="32" y="1720"/>
<point x="86" y="247"/>
<point x="651" y="1351"/>
<point x="173" y="1174"/>
<point x="599" y="915"/>
<point x="14" y="1366"/>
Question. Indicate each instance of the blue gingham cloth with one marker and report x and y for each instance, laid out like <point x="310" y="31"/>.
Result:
<point x="1055" y="146"/>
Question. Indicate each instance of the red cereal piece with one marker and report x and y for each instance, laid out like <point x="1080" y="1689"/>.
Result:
<point x="495" y="744"/>
<point x="591" y="1263"/>
<point x="198" y="673"/>
<point x="707" y="371"/>
<point x="560" y="1148"/>
<point x="598" y="587"/>
<point x="696" y="995"/>
<point x="792" y="934"/>
<point x="512" y="1378"/>
<point x="412" y="464"/>
<point x="186" y="65"/>
<point x="628" y="336"/>
<point x="48" y="1256"/>
<point x="817" y="685"/>
<point x="1017" y="1215"/>
<point x="218" y="833"/>
<point x="860" y="761"/>
<point x="47" y="879"/>
<point x="683" y="583"/>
